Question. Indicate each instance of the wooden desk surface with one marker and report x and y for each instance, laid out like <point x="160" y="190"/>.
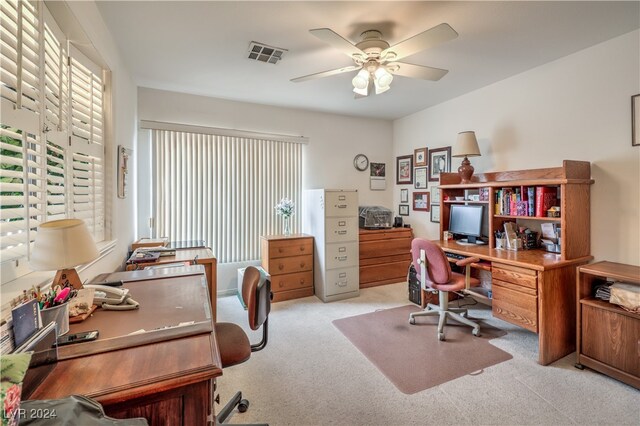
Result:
<point x="203" y="255"/>
<point x="533" y="259"/>
<point x="128" y="379"/>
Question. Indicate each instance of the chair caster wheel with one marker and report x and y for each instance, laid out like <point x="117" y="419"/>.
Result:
<point x="243" y="405"/>
<point x="476" y="332"/>
<point x="441" y="337"/>
<point x="412" y="320"/>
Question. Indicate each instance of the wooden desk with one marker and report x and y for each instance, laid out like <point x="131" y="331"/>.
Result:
<point x="534" y="290"/>
<point x="166" y="381"/>
<point x="204" y="257"/>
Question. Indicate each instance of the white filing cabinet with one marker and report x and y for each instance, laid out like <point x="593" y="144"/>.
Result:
<point x="331" y="216"/>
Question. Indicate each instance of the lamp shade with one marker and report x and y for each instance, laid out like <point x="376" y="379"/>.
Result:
<point x="62" y="244"/>
<point x="466" y="145"/>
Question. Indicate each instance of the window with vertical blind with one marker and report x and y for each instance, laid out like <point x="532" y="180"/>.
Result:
<point x="51" y="130"/>
<point x="222" y="189"/>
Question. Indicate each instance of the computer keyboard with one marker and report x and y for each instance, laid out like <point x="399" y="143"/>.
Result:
<point x="455" y="255"/>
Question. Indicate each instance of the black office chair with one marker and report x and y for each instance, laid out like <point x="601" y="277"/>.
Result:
<point x="233" y="342"/>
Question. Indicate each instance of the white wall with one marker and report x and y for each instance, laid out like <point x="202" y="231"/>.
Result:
<point x="334" y="140"/>
<point x="575" y="108"/>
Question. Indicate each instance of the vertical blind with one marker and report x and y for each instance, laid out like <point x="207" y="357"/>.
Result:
<point x="222" y="189"/>
<point x="51" y="127"/>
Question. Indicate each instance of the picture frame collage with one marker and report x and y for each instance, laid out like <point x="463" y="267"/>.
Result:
<point x="420" y="169"/>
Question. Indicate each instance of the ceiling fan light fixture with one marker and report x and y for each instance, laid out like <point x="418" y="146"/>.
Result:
<point x="361" y="80"/>
<point x="381" y="89"/>
<point x="363" y="92"/>
<point x="383" y="78"/>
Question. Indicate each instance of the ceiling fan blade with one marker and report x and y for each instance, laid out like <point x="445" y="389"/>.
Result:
<point x="326" y="73"/>
<point x="337" y="41"/>
<point x="416" y="71"/>
<point x="430" y="38"/>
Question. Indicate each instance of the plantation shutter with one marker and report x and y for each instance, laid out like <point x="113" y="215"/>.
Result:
<point x="87" y="162"/>
<point x="20" y="77"/>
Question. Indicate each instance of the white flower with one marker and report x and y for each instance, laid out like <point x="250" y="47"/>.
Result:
<point x="285" y="208"/>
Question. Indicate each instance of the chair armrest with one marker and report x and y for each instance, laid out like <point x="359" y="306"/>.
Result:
<point x="466" y="261"/>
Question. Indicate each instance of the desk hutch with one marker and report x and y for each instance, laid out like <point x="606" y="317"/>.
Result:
<point x="533" y="289"/>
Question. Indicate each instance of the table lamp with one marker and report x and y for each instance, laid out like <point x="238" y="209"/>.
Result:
<point x="62" y="245"/>
<point x="466" y="146"/>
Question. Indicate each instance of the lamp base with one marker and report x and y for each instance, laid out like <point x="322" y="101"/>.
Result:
<point x="67" y="278"/>
<point x="465" y="171"/>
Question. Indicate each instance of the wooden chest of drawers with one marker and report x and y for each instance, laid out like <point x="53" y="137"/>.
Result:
<point x="385" y="256"/>
<point x="515" y="295"/>
<point x="289" y="261"/>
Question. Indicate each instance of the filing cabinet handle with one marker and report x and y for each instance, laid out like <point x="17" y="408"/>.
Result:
<point x="342" y="249"/>
<point x="342" y="223"/>
<point x="342" y="283"/>
<point x="341" y="258"/>
<point x="342" y="232"/>
<point x="342" y="275"/>
<point x="341" y="206"/>
<point x="342" y="197"/>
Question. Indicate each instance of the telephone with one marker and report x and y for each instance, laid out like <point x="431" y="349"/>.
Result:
<point x="111" y="298"/>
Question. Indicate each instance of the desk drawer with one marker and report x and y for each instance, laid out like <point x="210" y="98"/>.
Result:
<point x="287" y="265"/>
<point x="291" y="281"/>
<point x="513" y="306"/>
<point x="294" y="247"/>
<point x="515" y="275"/>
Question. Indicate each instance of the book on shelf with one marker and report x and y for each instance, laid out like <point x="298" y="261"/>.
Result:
<point x="545" y="199"/>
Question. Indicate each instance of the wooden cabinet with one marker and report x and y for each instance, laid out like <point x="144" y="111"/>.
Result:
<point x="571" y="183"/>
<point x="289" y="261"/>
<point x="385" y="256"/>
<point x="515" y="292"/>
<point x="608" y="337"/>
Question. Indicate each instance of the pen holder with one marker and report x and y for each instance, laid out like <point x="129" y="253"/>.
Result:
<point x="58" y="314"/>
<point x="501" y="243"/>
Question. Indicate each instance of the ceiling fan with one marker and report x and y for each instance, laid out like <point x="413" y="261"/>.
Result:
<point x="377" y="61"/>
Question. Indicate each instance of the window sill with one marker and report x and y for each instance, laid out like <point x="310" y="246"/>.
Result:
<point x="14" y="288"/>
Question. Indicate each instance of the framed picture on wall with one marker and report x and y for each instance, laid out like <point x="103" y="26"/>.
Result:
<point x="439" y="162"/>
<point x="421" y="201"/>
<point x="635" y="120"/>
<point x="404" y="195"/>
<point x="421" y="158"/>
<point x="435" y="194"/>
<point x="435" y="213"/>
<point x="404" y="169"/>
<point x="403" y="209"/>
<point x="420" y="178"/>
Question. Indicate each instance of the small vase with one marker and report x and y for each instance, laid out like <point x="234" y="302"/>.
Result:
<point x="287" y="226"/>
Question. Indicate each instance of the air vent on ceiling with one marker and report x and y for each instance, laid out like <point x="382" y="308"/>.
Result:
<point x="264" y="53"/>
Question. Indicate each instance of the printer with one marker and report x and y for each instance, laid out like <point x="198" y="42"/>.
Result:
<point x="375" y="217"/>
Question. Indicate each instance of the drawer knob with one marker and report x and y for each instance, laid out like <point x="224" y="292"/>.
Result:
<point x="302" y="281"/>
<point x="301" y="248"/>
<point x="280" y="266"/>
<point x="280" y="250"/>
<point x="302" y="264"/>
<point x="280" y="284"/>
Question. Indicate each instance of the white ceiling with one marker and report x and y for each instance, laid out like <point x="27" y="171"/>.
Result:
<point x="201" y="47"/>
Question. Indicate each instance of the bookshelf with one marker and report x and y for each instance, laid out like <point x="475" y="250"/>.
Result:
<point x="569" y="184"/>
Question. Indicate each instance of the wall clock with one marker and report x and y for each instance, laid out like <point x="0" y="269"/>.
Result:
<point x="361" y="162"/>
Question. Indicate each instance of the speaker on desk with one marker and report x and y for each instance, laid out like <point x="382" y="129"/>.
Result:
<point x="397" y="222"/>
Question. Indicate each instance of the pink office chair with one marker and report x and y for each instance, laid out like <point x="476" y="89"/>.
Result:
<point x="434" y="273"/>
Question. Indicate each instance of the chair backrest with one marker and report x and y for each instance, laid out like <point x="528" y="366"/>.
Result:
<point x="438" y="268"/>
<point x="256" y="292"/>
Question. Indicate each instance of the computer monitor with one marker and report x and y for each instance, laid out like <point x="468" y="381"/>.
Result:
<point x="466" y="220"/>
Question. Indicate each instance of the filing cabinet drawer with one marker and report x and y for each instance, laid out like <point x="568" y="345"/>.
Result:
<point x="295" y="281"/>
<point x="293" y="247"/>
<point x="287" y="265"/>
<point x="341" y="255"/>
<point x="341" y="203"/>
<point x="513" y="274"/>
<point x="513" y="306"/>
<point x="343" y="280"/>
<point x="341" y="229"/>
